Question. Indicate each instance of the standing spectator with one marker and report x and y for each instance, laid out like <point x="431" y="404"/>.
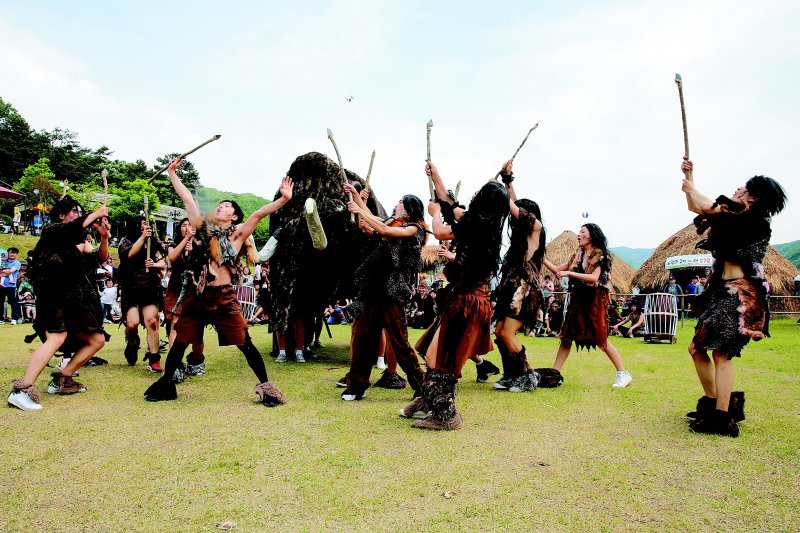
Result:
<point x="9" y="271"/>
<point x="107" y="299"/>
<point x="691" y="288"/>
<point x="673" y="288"/>
<point x="16" y="220"/>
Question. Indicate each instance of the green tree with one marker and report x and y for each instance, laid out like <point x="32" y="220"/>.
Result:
<point x="39" y="177"/>
<point x="129" y="200"/>
<point x="186" y="172"/>
<point x="18" y="143"/>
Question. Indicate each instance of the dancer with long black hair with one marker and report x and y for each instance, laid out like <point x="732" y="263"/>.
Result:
<point x="519" y="296"/>
<point x="462" y="328"/>
<point x="733" y="308"/>
<point x="586" y="321"/>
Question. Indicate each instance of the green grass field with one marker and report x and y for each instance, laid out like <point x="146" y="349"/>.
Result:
<point x="581" y="457"/>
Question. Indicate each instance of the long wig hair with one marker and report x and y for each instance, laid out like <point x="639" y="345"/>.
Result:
<point x="518" y="246"/>
<point x="483" y="224"/>
<point x="599" y="242"/>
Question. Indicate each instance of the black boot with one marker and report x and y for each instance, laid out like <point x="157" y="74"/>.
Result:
<point x="132" y="348"/>
<point x="716" y="423"/>
<point x="391" y="381"/>
<point x="503" y="382"/>
<point x="486" y="370"/>
<point x="440" y="392"/>
<point x="162" y="390"/>
<point x="736" y="408"/>
<point x="705" y="406"/>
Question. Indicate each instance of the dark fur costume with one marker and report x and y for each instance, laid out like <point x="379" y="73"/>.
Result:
<point x="139" y="286"/>
<point x="586" y="320"/>
<point x="67" y="298"/>
<point x="439" y="391"/>
<point x="302" y="278"/>
<point x="732" y="312"/>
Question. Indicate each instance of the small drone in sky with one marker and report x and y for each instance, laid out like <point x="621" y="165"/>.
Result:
<point x="348" y="98"/>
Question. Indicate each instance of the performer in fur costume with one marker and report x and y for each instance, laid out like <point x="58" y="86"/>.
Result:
<point x="68" y="315"/>
<point x="586" y="321"/>
<point x="178" y="256"/>
<point x="519" y="296"/>
<point x="462" y="328"/>
<point x="142" y="295"/>
<point x="732" y="309"/>
<point x="208" y="295"/>
<point x="304" y="279"/>
<point x="384" y="282"/>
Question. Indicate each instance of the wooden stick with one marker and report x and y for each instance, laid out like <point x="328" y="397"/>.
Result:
<point x="183" y="155"/>
<point x="520" y="146"/>
<point x="679" y="82"/>
<point x="429" y="127"/>
<point x="342" y="172"/>
<point x="369" y="172"/>
<point x="104" y="175"/>
<point x="147" y="222"/>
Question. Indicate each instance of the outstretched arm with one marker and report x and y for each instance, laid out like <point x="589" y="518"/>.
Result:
<point x="438" y="183"/>
<point x="378" y="225"/>
<point x="555" y="269"/>
<point x="249" y="226"/>
<point x="192" y="211"/>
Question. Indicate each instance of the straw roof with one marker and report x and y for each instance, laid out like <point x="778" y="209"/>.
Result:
<point x="653" y="276"/>
<point x="430" y="257"/>
<point x="560" y="249"/>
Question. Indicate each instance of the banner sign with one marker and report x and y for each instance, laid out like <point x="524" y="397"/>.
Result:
<point x="689" y="261"/>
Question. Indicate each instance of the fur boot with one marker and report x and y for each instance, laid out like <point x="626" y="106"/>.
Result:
<point x="705" y="406"/>
<point x="503" y="382"/>
<point x="439" y="390"/>
<point x="549" y="378"/>
<point x="418" y="408"/>
<point x="65" y="384"/>
<point x="160" y="391"/>
<point x="132" y="343"/>
<point x="391" y="381"/>
<point x="17" y="386"/>
<point x="525" y="379"/>
<point x="736" y="408"/>
<point x="716" y="423"/>
<point x="270" y="395"/>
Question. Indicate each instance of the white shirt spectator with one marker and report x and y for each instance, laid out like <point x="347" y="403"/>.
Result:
<point x="109" y="295"/>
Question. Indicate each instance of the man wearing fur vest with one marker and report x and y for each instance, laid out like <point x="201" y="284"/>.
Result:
<point x="208" y="295"/>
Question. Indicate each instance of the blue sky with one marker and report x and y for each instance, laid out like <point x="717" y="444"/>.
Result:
<point x="150" y="78"/>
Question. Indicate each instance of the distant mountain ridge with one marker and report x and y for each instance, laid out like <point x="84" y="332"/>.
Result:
<point x="791" y="251"/>
<point x="633" y="256"/>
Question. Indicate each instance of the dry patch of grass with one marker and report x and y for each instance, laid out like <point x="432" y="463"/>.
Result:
<point x="583" y="456"/>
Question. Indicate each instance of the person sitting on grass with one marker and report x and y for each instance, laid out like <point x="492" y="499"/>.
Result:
<point x="636" y="318"/>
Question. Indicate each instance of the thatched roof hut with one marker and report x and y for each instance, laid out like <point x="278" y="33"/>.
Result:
<point x="652" y="276"/>
<point x="560" y="249"/>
